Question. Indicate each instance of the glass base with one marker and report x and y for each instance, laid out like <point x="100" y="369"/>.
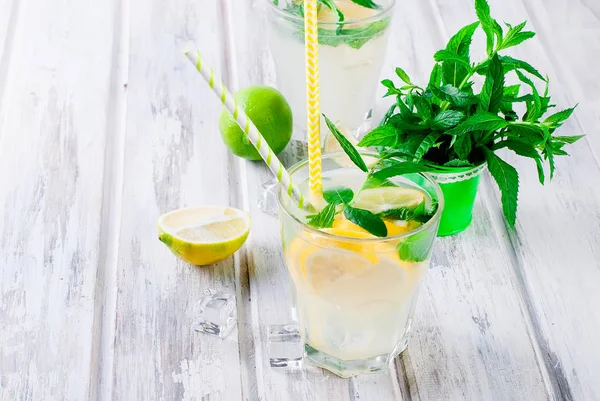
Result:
<point x="346" y="369"/>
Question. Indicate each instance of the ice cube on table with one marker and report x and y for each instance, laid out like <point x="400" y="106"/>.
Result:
<point x="267" y="201"/>
<point x="285" y="346"/>
<point x="215" y="313"/>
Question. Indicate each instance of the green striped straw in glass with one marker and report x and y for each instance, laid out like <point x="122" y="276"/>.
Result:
<point x="248" y="127"/>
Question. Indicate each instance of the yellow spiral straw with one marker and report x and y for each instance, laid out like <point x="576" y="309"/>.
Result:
<point x="313" y="106"/>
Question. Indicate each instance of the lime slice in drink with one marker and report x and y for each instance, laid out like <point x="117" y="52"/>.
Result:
<point x="379" y="200"/>
<point x="204" y="235"/>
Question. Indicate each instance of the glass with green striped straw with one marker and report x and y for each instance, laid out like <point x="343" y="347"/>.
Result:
<point x="253" y="134"/>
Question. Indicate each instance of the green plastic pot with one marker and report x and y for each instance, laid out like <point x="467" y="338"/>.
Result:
<point x="460" y="189"/>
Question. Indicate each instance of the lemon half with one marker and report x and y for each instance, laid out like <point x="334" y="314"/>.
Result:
<point x="204" y="235"/>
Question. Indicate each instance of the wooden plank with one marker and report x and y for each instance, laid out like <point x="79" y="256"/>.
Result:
<point x="8" y="21"/>
<point x="269" y="285"/>
<point x="173" y="158"/>
<point x="559" y="257"/>
<point x="53" y="125"/>
<point x="472" y="334"/>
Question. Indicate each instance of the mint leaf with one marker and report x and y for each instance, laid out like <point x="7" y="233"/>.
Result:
<point x="511" y="92"/>
<point x="403" y="75"/>
<point x="388" y="114"/>
<point x="426" y="144"/>
<point x="507" y="179"/>
<point x="460" y="43"/>
<point x="401" y="168"/>
<point x="455" y="72"/>
<point x="372" y="182"/>
<point x="511" y="64"/>
<point x="402" y="213"/>
<point x="534" y="108"/>
<point x="338" y="195"/>
<point x="418" y="213"/>
<point x="423" y="107"/>
<point x="568" y="139"/>
<point x="482" y="9"/>
<point x="405" y="111"/>
<point x="463" y="146"/>
<point x="356" y="38"/>
<point x="408" y="144"/>
<point x="454" y="95"/>
<point x="493" y="87"/>
<point x="367" y="4"/>
<point x="384" y="135"/>
<point x="435" y="78"/>
<point x="558" y="118"/>
<point x="324" y="219"/>
<point x="447" y="119"/>
<point x="447" y="55"/>
<point x="548" y="153"/>
<point x="392" y="90"/>
<point x="366" y="220"/>
<point x="480" y="121"/>
<point x="416" y="248"/>
<point x="353" y="37"/>
<point x="525" y="150"/>
<point x="524" y="132"/>
<point x="514" y="36"/>
<point x="346" y="146"/>
<point x="404" y="126"/>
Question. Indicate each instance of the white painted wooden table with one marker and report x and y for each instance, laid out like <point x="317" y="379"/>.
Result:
<point x="104" y="126"/>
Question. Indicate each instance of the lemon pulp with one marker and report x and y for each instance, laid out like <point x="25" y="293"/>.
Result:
<point x="204" y="235"/>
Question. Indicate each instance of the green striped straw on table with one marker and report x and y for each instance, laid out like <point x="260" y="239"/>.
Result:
<point x="248" y="127"/>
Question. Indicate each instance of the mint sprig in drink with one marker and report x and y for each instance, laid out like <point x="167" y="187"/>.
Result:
<point x="353" y="36"/>
<point x="358" y="262"/>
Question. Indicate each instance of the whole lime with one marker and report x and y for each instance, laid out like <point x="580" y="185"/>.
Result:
<point x="269" y="111"/>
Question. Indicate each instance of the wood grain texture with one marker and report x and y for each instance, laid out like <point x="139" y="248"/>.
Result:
<point x="53" y="124"/>
<point x="174" y="157"/>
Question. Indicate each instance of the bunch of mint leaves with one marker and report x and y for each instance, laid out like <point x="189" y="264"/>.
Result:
<point x="354" y="37"/>
<point x="340" y="201"/>
<point x="447" y="125"/>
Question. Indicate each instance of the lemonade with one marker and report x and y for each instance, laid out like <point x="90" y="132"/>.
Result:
<point x="351" y="55"/>
<point x="356" y="292"/>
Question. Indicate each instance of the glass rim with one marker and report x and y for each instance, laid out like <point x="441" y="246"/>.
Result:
<point x="436" y="217"/>
<point x="384" y="10"/>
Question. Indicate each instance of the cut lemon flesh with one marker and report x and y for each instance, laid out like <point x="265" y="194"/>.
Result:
<point x="204" y="235"/>
<point x="323" y="268"/>
<point x="379" y="200"/>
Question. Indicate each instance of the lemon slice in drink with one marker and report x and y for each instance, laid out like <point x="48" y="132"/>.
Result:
<point x="322" y="268"/>
<point x="204" y="235"/>
<point x="379" y="200"/>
